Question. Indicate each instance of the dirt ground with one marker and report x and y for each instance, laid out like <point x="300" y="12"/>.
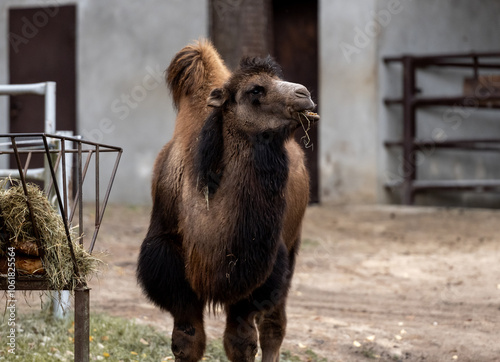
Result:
<point x="380" y="283"/>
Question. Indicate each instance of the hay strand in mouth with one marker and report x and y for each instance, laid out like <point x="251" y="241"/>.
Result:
<point x="206" y="194"/>
<point x="18" y="231"/>
<point x="306" y="139"/>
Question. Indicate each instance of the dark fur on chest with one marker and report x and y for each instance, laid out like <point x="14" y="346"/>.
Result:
<point x="268" y="160"/>
<point x="253" y="241"/>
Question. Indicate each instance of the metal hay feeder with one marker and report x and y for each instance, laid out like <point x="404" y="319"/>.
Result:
<point x="69" y="162"/>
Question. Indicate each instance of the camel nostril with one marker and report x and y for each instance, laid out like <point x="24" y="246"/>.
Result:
<point x="302" y="92"/>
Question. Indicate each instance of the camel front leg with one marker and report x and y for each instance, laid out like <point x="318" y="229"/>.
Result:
<point x="188" y="336"/>
<point x="240" y="336"/>
<point x="272" y="328"/>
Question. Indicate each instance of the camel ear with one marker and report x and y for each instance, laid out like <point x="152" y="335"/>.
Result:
<point x="217" y="97"/>
<point x="208" y="165"/>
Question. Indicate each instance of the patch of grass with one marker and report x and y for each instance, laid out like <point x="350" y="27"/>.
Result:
<point x="313" y="357"/>
<point x="309" y="243"/>
<point x="215" y="351"/>
<point x="39" y="338"/>
<point x="289" y="357"/>
<point x="369" y="353"/>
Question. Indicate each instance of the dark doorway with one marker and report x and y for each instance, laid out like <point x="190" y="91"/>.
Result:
<point x="295" y="29"/>
<point x="42" y="44"/>
<point x="42" y="47"/>
<point x="286" y="29"/>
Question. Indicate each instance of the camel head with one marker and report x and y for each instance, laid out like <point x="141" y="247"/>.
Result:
<point x="256" y="100"/>
<point x="255" y="106"/>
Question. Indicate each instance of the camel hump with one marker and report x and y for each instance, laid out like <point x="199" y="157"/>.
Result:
<point x="197" y="68"/>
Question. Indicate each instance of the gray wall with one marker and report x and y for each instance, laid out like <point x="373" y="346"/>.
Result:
<point x="128" y="47"/>
<point x="355" y="36"/>
<point x="123" y="49"/>
<point x="348" y="103"/>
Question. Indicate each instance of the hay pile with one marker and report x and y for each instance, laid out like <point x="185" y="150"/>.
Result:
<point x="17" y="231"/>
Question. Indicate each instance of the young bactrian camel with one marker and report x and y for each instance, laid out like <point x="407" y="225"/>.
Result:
<point x="229" y="193"/>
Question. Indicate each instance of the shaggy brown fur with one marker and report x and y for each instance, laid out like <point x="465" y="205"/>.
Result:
<point x="229" y="193"/>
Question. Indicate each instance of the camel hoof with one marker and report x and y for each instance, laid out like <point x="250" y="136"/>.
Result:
<point x="186" y="346"/>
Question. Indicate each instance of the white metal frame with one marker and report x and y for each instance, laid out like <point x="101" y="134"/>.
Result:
<point x="61" y="300"/>
<point x="48" y="90"/>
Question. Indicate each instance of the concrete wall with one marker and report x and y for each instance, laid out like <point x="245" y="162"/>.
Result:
<point x="355" y="36"/>
<point x="124" y="47"/>
<point x="240" y="28"/>
<point x="348" y="103"/>
<point x="122" y="50"/>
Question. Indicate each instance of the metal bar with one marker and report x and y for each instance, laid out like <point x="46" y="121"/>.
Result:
<point x="463" y="65"/>
<point x="105" y="201"/>
<point x="27" y="164"/>
<point x="409" y="130"/>
<point x="431" y="61"/>
<point x="27" y="283"/>
<point x="25" y="135"/>
<point x="80" y="194"/>
<point x="17" y="89"/>
<point x="82" y="324"/>
<point x="468" y="142"/>
<point x="32" y="174"/>
<point x="50" y="107"/>
<point x="434" y="57"/>
<point x="97" y="190"/>
<point x="453" y="147"/>
<point x="390" y="101"/>
<point x="25" y="151"/>
<point x="450" y="185"/>
<point x="28" y="202"/>
<point x="475" y="68"/>
<point x="36" y="174"/>
<point x="456" y="185"/>
<point x="471" y="146"/>
<point x="30" y="283"/>
<point x="49" y="179"/>
<point x="464" y="101"/>
<point x="65" y="221"/>
<point x="65" y="186"/>
<point x="33" y="144"/>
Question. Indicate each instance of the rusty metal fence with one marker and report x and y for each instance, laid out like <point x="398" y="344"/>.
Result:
<point x="412" y="100"/>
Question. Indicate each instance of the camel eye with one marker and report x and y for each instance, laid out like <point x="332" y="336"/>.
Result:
<point x="256" y="90"/>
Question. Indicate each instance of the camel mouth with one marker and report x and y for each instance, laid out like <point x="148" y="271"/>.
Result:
<point x="308" y="116"/>
<point x="311" y="116"/>
<point x="306" y="119"/>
